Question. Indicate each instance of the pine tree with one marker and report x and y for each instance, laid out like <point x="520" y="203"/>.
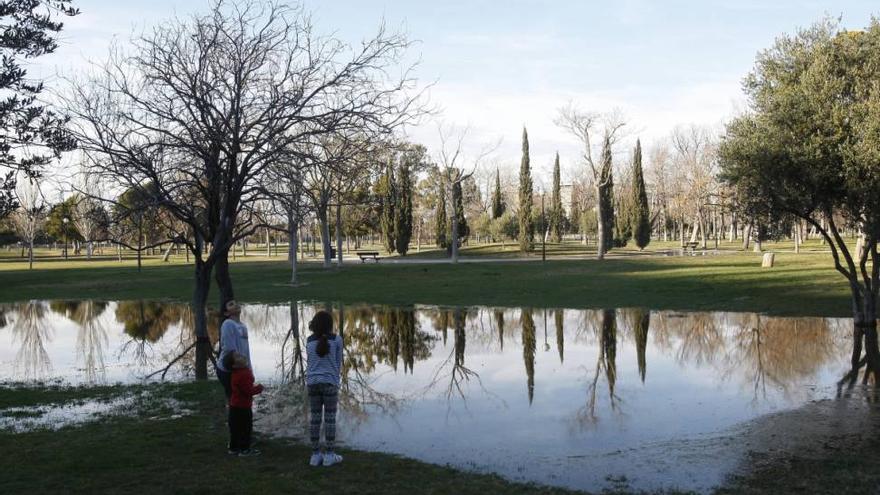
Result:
<point x="557" y="214"/>
<point x="440" y="217"/>
<point x="641" y="216"/>
<point x="498" y="205"/>
<point x="403" y="224"/>
<point x="526" y="227"/>
<point x="388" y="198"/>
<point x="606" y="196"/>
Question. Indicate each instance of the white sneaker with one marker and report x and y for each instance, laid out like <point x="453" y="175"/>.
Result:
<point x="331" y="458"/>
<point x="316" y="459"/>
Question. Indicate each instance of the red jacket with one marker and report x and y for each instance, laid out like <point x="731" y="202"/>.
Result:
<point x="243" y="389"/>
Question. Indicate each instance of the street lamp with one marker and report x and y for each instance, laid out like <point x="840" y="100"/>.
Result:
<point x="64" y="222"/>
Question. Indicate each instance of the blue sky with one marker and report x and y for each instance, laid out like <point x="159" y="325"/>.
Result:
<point x="499" y="65"/>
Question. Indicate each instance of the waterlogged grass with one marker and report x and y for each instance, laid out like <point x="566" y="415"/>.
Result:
<point x="146" y="454"/>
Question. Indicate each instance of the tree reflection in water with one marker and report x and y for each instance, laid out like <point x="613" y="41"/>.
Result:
<point x="31" y="329"/>
<point x="91" y="335"/>
<point x="529" y="343"/>
<point x="606" y="365"/>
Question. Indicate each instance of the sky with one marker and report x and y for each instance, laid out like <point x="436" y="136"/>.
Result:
<point x="495" y="66"/>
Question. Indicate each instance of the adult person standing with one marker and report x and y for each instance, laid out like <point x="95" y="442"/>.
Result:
<point x="233" y="338"/>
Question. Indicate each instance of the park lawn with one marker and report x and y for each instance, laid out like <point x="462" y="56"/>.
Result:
<point x="802" y="284"/>
<point x="146" y="454"/>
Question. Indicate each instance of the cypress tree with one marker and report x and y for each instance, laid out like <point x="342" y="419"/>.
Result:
<point x="623" y="218"/>
<point x="440" y="220"/>
<point x="498" y="206"/>
<point x="641" y="217"/>
<point x="606" y="196"/>
<point x="556" y="212"/>
<point x="388" y="198"/>
<point x="458" y="210"/>
<point x="403" y="225"/>
<point x="526" y="227"/>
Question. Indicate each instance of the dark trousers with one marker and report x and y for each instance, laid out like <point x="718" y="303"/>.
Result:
<point x="241" y="423"/>
<point x="225" y="378"/>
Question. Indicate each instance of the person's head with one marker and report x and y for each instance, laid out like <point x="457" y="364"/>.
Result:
<point x="231" y="309"/>
<point x="235" y="360"/>
<point x="322" y="326"/>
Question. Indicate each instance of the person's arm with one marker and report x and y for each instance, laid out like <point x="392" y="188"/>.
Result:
<point x="228" y="339"/>
<point x="339" y="352"/>
<point x="244" y="384"/>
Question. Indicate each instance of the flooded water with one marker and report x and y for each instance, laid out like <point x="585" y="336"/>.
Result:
<point x="587" y="399"/>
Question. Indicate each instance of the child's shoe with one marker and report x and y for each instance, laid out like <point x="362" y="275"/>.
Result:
<point x="316" y="459"/>
<point x="249" y="453"/>
<point x="331" y="458"/>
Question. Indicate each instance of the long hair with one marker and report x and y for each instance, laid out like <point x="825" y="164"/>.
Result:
<point x="322" y="325"/>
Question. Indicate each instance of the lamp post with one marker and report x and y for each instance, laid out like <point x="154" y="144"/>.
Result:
<point x="64" y="222"/>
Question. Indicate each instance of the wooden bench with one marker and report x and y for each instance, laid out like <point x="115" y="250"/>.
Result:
<point x="690" y="247"/>
<point x="366" y="255"/>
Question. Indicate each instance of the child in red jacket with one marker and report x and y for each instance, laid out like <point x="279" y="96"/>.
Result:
<point x="241" y="417"/>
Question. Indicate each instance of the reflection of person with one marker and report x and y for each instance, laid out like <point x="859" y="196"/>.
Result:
<point x="233" y="338"/>
<point x="324" y="350"/>
<point x="241" y="416"/>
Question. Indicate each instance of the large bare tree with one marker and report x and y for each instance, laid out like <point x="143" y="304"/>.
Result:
<point x="201" y="107"/>
<point x="584" y="126"/>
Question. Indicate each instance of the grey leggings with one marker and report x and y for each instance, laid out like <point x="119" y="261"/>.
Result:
<point x="323" y="398"/>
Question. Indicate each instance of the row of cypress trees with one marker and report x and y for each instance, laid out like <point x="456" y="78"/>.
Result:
<point x="395" y="197"/>
<point x="633" y="221"/>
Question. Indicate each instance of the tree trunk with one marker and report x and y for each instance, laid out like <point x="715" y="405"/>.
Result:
<point x="269" y="245"/>
<point x="747" y="237"/>
<point x="200" y="319"/>
<point x="600" y="224"/>
<point x="454" y="240"/>
<point x="140" y="240"/>
<point x="223" y="279"/>
<point x="325" y="234"/>
<point x="31" y="255"/>
<point x="293" y="241"/>
<point x="167" y="253"/>
<point x="339" y="235"/>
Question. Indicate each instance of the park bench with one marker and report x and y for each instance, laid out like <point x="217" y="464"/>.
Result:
<point x="690" y="246"/>
<point x="366" y="255"/>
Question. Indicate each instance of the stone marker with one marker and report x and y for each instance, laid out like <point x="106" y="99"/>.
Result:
<point x="767" y="262"/>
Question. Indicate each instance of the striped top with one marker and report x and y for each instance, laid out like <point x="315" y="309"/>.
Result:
<point x="324" y="369"/>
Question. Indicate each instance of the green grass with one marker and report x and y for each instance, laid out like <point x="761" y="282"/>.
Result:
<point x="135" y="455"/>
<point x="799" y="284"/>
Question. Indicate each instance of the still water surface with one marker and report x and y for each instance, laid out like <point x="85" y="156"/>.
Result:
<point x="579" y="398"/>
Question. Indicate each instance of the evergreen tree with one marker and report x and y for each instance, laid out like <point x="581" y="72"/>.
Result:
<point x="557" y="214"/>
<point x="498" y="205"/>
<point x="606" y="196"/>
<point x="388" y="199"/>
<point x="458" y="210"/>
<point x="403" y="221"/>
<point x="440" y="217"/>
<point x="641" y="217"/>
<point x="623" y="218"/>
<point x="526" y="227"/>
<point x="32" y="135"/>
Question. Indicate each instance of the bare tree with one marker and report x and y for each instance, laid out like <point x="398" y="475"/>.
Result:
<point x="29" y="217"/>
<point x="583" y="126"/>
<point x="201" y="107"/>
<point x="457" y="168"/>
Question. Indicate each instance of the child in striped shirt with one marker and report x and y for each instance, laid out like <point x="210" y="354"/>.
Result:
<point x="324" y="351"/>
